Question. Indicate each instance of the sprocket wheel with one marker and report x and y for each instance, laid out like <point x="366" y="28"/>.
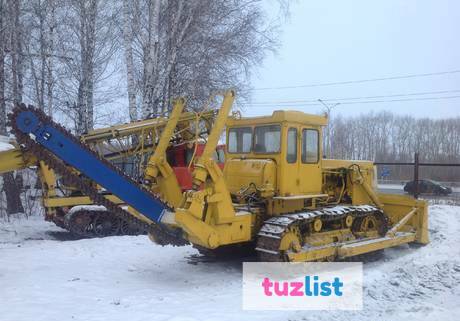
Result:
<point x="375" y="224"/>
<point x="105" y="224"/>
<point x="128" y="229"/>
<point x="80" y="224"/>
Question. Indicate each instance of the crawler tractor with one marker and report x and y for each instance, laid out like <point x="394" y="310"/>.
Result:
<point x="276" y="193"/>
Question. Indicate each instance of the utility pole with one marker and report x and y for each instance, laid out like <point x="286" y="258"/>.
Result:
<point x="416" y="178"/>
<point x="328" y="112"/>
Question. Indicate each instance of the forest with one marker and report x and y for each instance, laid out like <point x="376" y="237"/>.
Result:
<point x="387" y="137"/>
<point x="90" y="63"/>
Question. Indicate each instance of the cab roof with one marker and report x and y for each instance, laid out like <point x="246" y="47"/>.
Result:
<point x="279" y="116"/>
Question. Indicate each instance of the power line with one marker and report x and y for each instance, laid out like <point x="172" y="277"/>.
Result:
<point x="361" y="80"/>
<point x="373" y="101"/>
<point x="396" y="100"/>
<point x="311" y="100"/>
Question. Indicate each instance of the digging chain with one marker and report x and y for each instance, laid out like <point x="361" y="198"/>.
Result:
<point x="162" y="235"/>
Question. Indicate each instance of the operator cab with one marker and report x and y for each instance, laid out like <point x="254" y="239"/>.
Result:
<point x="279" y="154"/>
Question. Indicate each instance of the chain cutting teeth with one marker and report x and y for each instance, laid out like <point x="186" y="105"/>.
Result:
<point x="163" y="235"/>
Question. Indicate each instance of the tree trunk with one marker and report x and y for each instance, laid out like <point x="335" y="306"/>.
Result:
<point x="127" y="41"/>
<point x="87" y="29"/>
<point x="82" y="86"/>
<point x="80" y="109"/>
<point x="43" y="53"/>
<point x="49" y="73"/>
<point x="12" y="192"/>
<point x="18" y="56"/>
<point x="2" y="71"/>
<point x="90" y="48"/>
<point x="151" y="64"/>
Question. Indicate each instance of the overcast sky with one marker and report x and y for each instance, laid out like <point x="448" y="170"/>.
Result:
<point x="336" y="41"/>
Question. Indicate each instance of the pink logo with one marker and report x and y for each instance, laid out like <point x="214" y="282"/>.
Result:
<point x="310" y="287"/>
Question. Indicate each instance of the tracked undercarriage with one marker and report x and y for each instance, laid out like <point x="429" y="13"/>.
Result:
<point x="303" y="234"/>
<point x="92" y="221"/>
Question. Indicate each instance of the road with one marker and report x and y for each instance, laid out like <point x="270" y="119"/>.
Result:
<point x="398" y="189"/>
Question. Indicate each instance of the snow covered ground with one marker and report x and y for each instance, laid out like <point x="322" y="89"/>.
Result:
<point x="5" y="143"/>
<point x="44" y="276"/>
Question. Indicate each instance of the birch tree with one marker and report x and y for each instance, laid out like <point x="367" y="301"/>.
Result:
<point x="11" y="42"/>
<point x="193" y="48"/>
<point x="87" y="40"/>
<point x="41" y="52"/>
<point x="151" y="52"/>
<point x="387" y="137"/>
<point x="2" y="67"/>
<point x="129" y="59"/>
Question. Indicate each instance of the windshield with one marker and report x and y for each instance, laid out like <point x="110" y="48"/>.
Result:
<point x="267" y="139"/>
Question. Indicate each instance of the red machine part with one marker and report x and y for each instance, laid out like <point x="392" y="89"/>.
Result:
<point x="179" y="157"/>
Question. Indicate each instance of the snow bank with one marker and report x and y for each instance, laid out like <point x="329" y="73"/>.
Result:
<point x="5" y="143"/>
<point x="20" y="229"/>
<point x="129" y="278"/>
<point x="95" y="208"/>
<point x="5" y="146"/>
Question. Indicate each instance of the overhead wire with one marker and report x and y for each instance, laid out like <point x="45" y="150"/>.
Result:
<point x="311" y="100"/>
<point x="346" y="82"/>
<point x="369" y="101"/>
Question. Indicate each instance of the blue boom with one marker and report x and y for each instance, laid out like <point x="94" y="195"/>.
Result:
<point x="84" y="161"/>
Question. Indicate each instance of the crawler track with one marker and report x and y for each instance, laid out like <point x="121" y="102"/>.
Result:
<point x="272" y="232"/>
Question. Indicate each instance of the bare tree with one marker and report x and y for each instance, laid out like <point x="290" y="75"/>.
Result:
<point x="387" y="137"/>
<point x="87" y="43"/>
<point x="129" y="59"/>
<point x="194" y="48"/>
<point x="63" y="56"/>
<point x="151" y="52"/>
<point x="40" y="51"/>
<point x="2" y="67"/>
<point x="11" y="41"/>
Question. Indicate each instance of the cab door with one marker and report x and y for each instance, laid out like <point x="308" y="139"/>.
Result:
<point x="310" y="174"/>
<point x="291" y="167"/>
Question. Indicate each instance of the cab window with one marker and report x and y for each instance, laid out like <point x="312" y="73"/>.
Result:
<point x="291" y="155"/>
<point x="219" y="155"/>
<point x="310" y="146"/>
<point x="267" y="139"/>
<point x="239" y="140"/>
